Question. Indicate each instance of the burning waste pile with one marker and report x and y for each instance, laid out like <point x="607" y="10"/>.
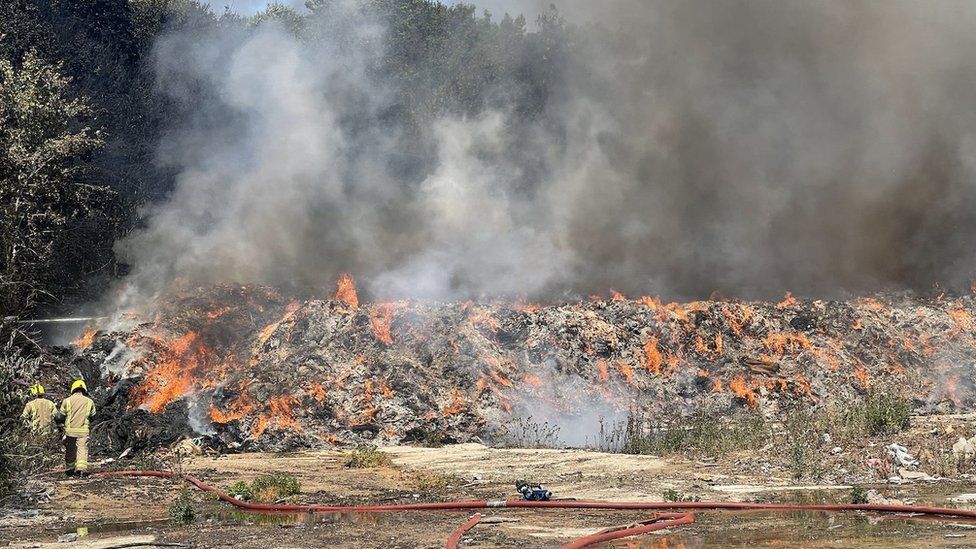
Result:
<point x="249" y="368"/>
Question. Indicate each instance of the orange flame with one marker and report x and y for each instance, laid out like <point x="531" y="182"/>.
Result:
<point x="964" y="322"/>
<point x="652" y="356"/>
<point x="862" y="374"/>
<point x="86" y="339"/>
<point x="779" y="343"/>
<point x="380" y="318"/>
<point x="626" y="371"/>
<point x="788" y="301"/>
<point x="175" y="374"/>
<point x="457" y="405"/>
<point x="346" y="290"/>
<point x="617" y="296"/>
<point x="602" y="367"/>
<point x="742" y="390"/>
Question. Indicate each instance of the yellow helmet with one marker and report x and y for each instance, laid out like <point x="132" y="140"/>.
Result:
<point x="37" y="389"/>
<point x="80" y="384"/>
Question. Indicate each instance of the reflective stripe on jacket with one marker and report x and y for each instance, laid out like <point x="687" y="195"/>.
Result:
<point x="77" y="410"/>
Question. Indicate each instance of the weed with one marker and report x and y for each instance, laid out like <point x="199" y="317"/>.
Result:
<point x="678" y="497"/>
<point x="241" y="490"/>
<point x="526" y="433"/>
<point x="367" y="456"/>
<point x="698" y="433"/>
<point x="885" y="414"/>
<point x="181" y="510"/>
<point x="273" y="488"/>
<point x="859" y="496"/>
<point x="266" y="489"/>
<point x="431" y="483"/>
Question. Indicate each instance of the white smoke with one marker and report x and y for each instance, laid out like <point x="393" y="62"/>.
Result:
<point x="749" y="146"/>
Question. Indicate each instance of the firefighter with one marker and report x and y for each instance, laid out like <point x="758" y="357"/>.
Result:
<point x="76" y="411"/>
<point x="39" y="412"/>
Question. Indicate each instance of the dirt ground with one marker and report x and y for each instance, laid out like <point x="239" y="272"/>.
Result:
<point x="134" y="511"/>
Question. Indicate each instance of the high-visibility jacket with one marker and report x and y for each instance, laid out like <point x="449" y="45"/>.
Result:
<point x="77" y="411"/>
<point x="39" y="413"/>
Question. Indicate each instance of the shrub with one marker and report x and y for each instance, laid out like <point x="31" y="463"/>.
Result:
<point x="699" y="432"/>
<point x="365" y="457"/>
<point x="859" y="496"/>
<point x="181" y="510"/>
<point x="678" y="497"/>
<point x="266" y="489"/>
<point x="274" y="487"/>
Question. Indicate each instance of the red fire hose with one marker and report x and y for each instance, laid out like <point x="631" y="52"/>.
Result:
<point x="559" y="504"/>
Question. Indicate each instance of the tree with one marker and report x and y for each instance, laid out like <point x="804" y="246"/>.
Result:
<point x="47" y="215"/>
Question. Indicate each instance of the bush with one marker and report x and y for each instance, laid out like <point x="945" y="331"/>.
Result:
<point x="700" y="432"/>
<point x="367" y="456"/>
<point x="859" y="496"/>
<point x="181" y="510"/>
<point x="23" y="454"/>
<point x="884" y="414"/>
<point x="266" y="489"/>
<point x="272" y="488"/>
<point x="241" y="490"/>
<point x="678" y="497"/>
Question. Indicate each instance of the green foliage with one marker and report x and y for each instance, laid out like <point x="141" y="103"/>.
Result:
<point x="678" y="497"/>
<point x="274" y="487"/>
<point x="181" y="511"/>
<point x="859" y="495"/>
<point x="366" y="457"/>
<point x="241" y="490"/>
<point x="23" y="454"/>
<point x="697" y="433"/>
<point x="44" y="206"/>
<point x="883" y="414"/>
<point x="266" y="489"/>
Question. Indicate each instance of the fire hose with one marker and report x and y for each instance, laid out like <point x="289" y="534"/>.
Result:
<point x="657" y="522"/>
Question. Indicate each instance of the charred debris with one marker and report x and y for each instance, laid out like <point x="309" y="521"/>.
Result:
<point x="250" y="369"/>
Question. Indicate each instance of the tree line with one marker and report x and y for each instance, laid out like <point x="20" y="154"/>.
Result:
<point x="80" y="117"/>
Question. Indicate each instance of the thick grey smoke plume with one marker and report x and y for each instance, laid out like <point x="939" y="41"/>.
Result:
<point x="748" y="146"/>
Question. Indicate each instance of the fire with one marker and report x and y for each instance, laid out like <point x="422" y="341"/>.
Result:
<point x="175" y="375"/>
<point x="949" y="390"/>
<point x="742" y="390"/>
<point x="457" y="405"/>
<point x="737" y="322"/>
<point x="483" y="317"/>
<point x="316" y="391"/>
<point x="269" y="330"/>
<point x="651" y="303"/>
<point x="653" y="360"/>
<point x="717" y="386"/>
<point x="872" y="304"/>
<point x="346" y="290"/>
<point x="626" y="371"/>
<point x="862" y="374"/>
<point x="380" y="318"/>
<point x="788" y="301"/>
<point x="602" y="367"/>
<point x="617" y="296"/>
<point x="280" y="415"/>
<point x="779" y="343"/>
<point x="86" y="339"/>
<point x="964" y="322"/>
<point x="804" y="384"/>
<point x="532" y="380"/>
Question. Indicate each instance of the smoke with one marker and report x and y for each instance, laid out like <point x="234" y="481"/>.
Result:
<point x="748" y="146"/>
